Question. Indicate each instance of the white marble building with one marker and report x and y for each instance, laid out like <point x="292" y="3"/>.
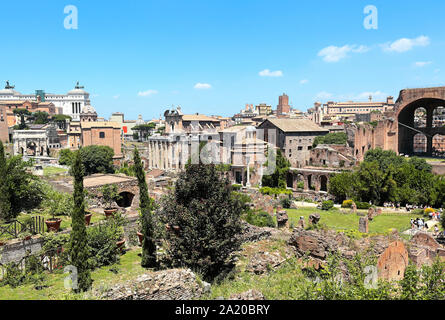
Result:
<point x="70" y="104"/>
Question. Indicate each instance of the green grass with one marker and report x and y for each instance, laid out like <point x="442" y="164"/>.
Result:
<point x="50" y="171"/>
<point x="129" y="268"/>
<point x="337" y="220"/>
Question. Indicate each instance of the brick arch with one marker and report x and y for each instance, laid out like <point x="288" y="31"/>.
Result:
<point x="408" y="102"/>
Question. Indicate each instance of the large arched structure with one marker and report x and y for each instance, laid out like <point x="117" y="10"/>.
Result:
<point x="415" y="126"/>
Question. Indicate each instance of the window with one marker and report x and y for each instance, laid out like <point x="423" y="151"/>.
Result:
<point x="101" y="135"/>
<point x="300" y="148"/>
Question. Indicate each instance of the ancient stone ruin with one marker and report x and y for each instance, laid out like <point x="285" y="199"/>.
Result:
<point x="424" y="249"/>
<point x="301" y="223"/>
<point x="363" y="225"/>
<point x="393" y="262"/>
<point x="282" y="219"/>
<point x="314" y="218"/>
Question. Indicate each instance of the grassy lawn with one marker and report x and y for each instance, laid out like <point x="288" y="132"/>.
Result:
<point x="128" y="268"/>
<point x="50" y="171"/>
<point x="337" y="220"/>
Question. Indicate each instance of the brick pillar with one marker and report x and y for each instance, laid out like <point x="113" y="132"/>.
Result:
<point x="306" y="183"/>
<point x="317" y="184"/>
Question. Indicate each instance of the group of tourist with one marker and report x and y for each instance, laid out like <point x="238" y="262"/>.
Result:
<point x="419" y="224"/>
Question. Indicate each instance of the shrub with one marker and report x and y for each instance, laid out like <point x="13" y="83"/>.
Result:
<point x="14" y="276"/>
<point x="275" y="191"/>
<point x="58" y="203"/>
<point x="427" y="211"/>
<point x="347" y="203"/>
<point x="260" y="219"/>
<point x="102" y="242"/>
<point x="66" y="157"/>
<point x="300" y="185"/>
<point x="286" y="203"/>
<point x="363" y="205"/>
<point x="236" y="186"/>
<point x="327" y="205"/>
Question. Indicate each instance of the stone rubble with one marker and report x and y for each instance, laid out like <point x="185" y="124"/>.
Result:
<point x="174" y="284"/>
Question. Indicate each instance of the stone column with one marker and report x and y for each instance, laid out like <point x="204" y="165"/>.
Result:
<point x="248" y="173"/>
<point x="429" y="145"/>
<point x="317" y="184"/>
<point x="306" y="183"/>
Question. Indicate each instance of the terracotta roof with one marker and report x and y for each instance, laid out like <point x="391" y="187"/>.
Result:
<point x="104" y="179"/>
<point x="198" y="117"/>
<point x="155" y="173"/>
<point x="296" y="125"/>
<point x="14" y="101"/>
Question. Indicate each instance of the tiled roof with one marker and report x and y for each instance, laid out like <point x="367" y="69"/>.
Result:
<point x="296" y="125"/>
<point x="198" y="117"/>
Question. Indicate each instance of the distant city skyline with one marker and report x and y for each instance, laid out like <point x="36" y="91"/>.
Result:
<point x="213" y="57"/>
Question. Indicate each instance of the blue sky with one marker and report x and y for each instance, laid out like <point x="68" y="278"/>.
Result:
<point x="212" y="57"/>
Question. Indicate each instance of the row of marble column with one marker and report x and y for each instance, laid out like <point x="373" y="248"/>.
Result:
<point x="165" y="155"/>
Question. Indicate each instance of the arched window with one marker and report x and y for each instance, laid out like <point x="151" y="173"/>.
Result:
<point x="420" y="143"/>
<point x="420" y="117"/>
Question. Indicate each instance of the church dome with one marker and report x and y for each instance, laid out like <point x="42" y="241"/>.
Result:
<point x="78" y="90"/>
<point x="9" y="92"/>
<point x="140" y="121"/>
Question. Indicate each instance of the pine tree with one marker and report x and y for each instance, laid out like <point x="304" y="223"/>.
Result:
<point x="5" y="203"/>
<point x="78" y="240"/>
<point x="148" y="244"/>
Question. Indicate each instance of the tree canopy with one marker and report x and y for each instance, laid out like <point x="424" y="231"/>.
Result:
<point x="279" y="178"/>
<point x="204" y="219"/>
<point x="384" y="176"/>
<point x="331" y="138"/>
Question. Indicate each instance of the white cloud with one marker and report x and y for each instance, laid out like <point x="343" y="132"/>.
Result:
<point x="405" y="44"/>
<point x="116" y="96"/>
<point x="304" y="81"/>
<point x="147" y="93"/>
<point x="268" y="73"/>
<point x="323" y="95"/>
<point x="437" y="71"/>
<point x="201" y="86"/>
<point x="421" y="64"/>
<point x="335" y="54"/>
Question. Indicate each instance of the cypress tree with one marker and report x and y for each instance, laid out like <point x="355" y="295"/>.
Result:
<point x="78" y="239"/>
<point x="5" y="204"/>
<point x="148" y="244"/>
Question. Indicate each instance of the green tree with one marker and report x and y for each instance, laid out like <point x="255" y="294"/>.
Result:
<point x="341" y="186"/>
<point x="5" y="204"/>
<point x="79" y="250"/>
<point x="23" y="189"/>
<point x="97" y="159"/>
<point x="22" y="113"/>
<point x="66" y="157"/>
<point x="279" y="178"/>
<point x="204" y="219"/>
<point x="144" y="130"/>
<point x="331" y="138"/>
<point x="40" y="117"/>
<point x="148" y="244"/>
